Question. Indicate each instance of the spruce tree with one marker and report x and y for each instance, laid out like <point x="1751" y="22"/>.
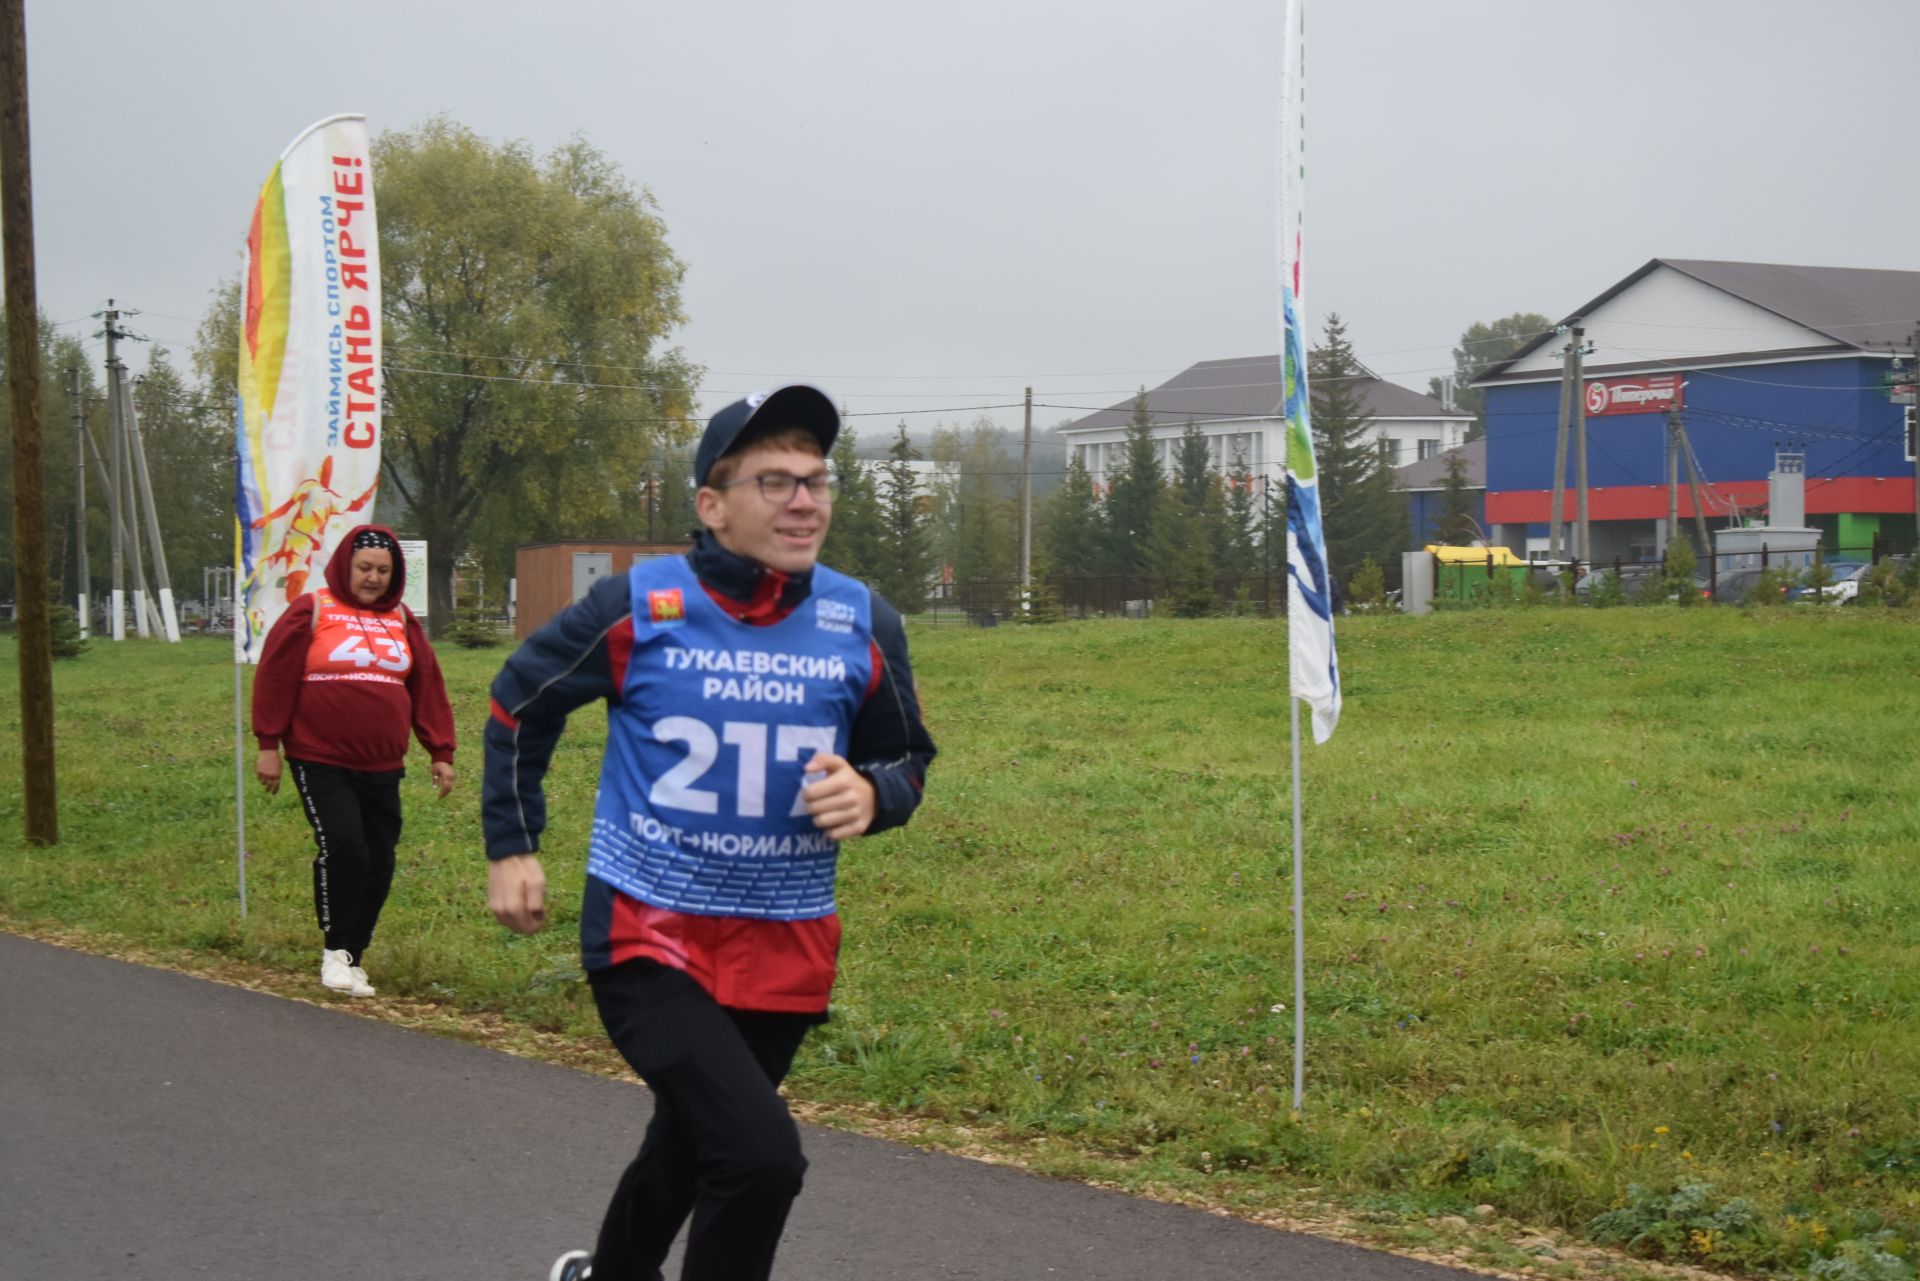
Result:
<point x="1241" y="546"/>
<point x="1192" y="467"/>
<point x="1043" y="597"/>
<point x="1361" y="515"/>
<point x="1456" y="526"/>
<point x="65" y="627"/>
<point x="854" y="538"/>
<point x="1135" y="495"/>
<point x="1073" y="528"/>
<point x="978" y="515"/>
<point x="1189" y="528"/>
<point x="907" y="558"/>
<point x="1185" y="559"/>
<point x="1217" y="523"/>
<point x="1677" y="577"/>
<point x="1273" y="537"/>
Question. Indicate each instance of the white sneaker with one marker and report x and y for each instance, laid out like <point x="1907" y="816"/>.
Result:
<point x="336" y="970"/>
<point x="574" y="1265"/>
<point x="338" y="973"/>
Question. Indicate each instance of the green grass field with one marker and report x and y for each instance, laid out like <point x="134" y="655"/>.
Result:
<point x="1611" y="915"/>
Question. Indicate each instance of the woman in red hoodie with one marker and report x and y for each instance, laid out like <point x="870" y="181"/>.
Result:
<point x="345" y="674"/>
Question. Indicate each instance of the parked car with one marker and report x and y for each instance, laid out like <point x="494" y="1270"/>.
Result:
<point x="1632" y="578"/>
<point x="1635" y="579"/>
<point x="1734" y="586"/>
<point x="1843" y="587"/>
<point x="1546" y="580"/>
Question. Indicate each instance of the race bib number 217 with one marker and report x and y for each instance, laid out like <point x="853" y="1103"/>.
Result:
<point x="675" y="789"/>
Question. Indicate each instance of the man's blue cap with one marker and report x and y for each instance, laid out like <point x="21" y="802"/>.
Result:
<point x="795" y="405"/>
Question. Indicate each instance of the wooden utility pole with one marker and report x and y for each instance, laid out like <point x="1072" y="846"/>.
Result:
<point x="166" y="620"/>
<point x="141" y="598"/>
<point x="84" y="584"/>
<point x="117" y="538"/>
<point x="1693" y="485"/>
<point x="30" y="587"/>
<point x="1673" y="474"/>
<point x="1026" y="506"/>
<point x="1580" y="443"/>
<point x="1913" y="417"/>
<point x="1556" y="542"/>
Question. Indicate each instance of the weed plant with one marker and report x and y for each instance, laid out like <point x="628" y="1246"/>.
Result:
<point x="65" y="640"/>
<point x="1892" y="584"/>
<point x="472" y="629"/>
<point x="1606" y="590"/>
<point x="1367" y="592"/>
<point x="1676" y="580"/>
<point x="1772" y="586"/>
<point x="1602" y="908"/>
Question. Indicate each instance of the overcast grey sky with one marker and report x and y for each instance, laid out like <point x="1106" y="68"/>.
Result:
<point x="926" y="207"/>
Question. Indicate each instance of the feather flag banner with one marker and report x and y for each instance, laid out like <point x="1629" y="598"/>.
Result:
<point x="1314" y="669"/>
<point x="307" y="430"/>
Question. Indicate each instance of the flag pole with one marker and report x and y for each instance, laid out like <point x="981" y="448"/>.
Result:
<point x="239" y="713"/>
<point x="240" y="790"/>
<point x="1299" y="927"/>
<point x="1313" y="671"/>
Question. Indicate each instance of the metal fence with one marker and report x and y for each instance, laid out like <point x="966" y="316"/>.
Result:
<point x="1728" y="577"/>
<point x="988" y="602"/>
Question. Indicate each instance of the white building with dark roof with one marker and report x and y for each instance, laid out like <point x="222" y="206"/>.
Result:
<point x="1235" y="404"/>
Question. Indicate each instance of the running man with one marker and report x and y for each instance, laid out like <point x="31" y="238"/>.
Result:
<point x="760" y="710"/>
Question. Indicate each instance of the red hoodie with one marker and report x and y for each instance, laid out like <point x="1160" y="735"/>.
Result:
<point x="340" y="683"/>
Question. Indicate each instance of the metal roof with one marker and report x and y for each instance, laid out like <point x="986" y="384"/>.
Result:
<point x="1224" y="390"/>
<point x="1431" y="473"/>
<point x="1859" y="308"/>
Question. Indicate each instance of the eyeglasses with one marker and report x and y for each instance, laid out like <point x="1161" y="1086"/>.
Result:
<point x="779" y="487"/>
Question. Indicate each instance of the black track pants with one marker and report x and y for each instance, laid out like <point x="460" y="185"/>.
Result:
<point x="355" y="816"/>
<point x="722" y="1146"/>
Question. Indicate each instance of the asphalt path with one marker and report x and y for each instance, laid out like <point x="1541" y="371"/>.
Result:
<point x="158" y="1126"/>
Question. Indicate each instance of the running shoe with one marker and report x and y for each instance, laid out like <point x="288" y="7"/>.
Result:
<point x="574" y="1265"/>
<point x="338" y="973"/>
<point x="336" y="970"/>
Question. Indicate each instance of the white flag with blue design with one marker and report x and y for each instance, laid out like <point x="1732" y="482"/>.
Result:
<point x="1314" y="668"/>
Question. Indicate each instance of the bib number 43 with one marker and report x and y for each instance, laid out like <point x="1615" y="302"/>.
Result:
<point x="393" y="656"/>
<point x="676" y="789"/>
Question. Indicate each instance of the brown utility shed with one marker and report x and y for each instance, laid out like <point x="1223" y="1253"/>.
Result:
<point x="551" y="576"/>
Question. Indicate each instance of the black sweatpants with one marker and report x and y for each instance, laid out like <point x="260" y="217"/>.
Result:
<point x="722" y="1145"/>
<point x="355" y="816"/>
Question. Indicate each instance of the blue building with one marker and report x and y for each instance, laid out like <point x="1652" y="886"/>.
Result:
<point x="1754" y="358"/>
<point x="1425" y="484"/>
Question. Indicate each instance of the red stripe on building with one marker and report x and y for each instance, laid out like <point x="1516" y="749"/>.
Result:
<point x="1825" y="497"/>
